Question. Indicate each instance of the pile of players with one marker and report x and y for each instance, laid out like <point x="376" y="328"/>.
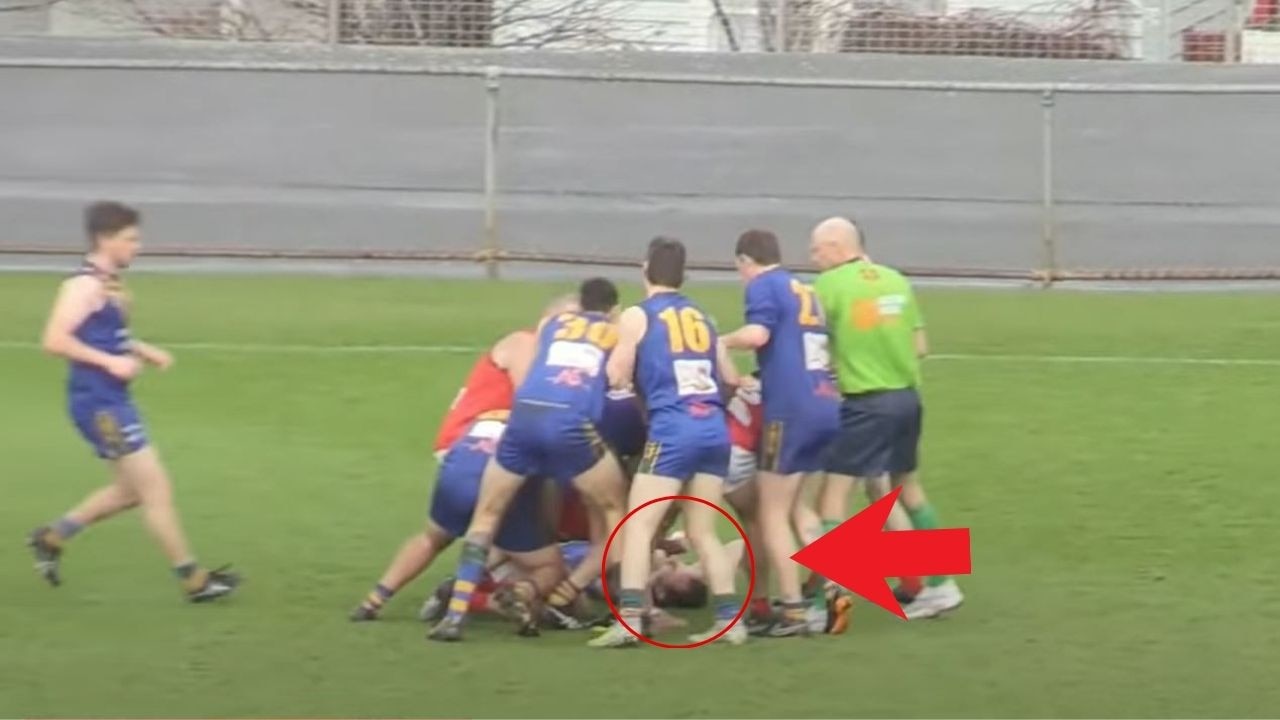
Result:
<point x="562" y="429"/>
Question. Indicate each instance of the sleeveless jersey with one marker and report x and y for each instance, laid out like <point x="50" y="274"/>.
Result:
<point x="677" y="374"/>
<point x="795" y="366"/>
<point x="569" y="370"/>
<point x="107" y="330"/>
<point x="487" y="388"/>
<point x="470" y="453"/>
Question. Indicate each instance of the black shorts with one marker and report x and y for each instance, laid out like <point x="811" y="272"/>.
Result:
<point x="879" y="433"/>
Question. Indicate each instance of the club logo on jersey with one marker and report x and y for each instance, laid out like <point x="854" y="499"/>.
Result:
<point x="569" y="377"/>
<point x="701" y="410"/>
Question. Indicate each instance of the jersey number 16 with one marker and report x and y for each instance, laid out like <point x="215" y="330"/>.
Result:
<point x="686" y="330"/>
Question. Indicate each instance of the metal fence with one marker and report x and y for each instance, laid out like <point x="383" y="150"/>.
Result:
<point x="1159" y="30"/>
<point x="1017" y="180"/>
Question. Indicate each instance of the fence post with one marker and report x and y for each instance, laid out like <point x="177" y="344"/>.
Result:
<point x="491" y="243"/>
<point x="334" y="22"/>
<point x="1048" y="235"/>
<point x="780" y="27"/>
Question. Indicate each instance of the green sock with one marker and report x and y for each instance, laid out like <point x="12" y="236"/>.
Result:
<point x="820" y="599"/>
<point x="926" y="518"/>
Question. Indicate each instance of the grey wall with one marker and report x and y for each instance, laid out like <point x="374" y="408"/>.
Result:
<point x="280" y="159"/>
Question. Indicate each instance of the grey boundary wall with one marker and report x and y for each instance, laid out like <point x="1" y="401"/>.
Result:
<point x="266" y="147"/>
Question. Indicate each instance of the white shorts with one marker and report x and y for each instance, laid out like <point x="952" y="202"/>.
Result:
<point x="742" y="469"/>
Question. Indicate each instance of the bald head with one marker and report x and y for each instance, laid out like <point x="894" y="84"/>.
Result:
<point x="560" y="304"/>
<point x="834" y="241"/>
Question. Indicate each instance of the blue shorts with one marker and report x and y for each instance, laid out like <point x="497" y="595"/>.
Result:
<point x="879" y="433"/>
<point x="681" y="462"/>
<point x="454" y="502"/>
<point x="114" y="429"/>
<point x="549" y="442"/>
<point x="798" y="445"/>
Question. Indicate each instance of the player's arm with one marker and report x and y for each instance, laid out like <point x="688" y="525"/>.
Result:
<point x="916" y="318"/>
<point x="77" y="299"/>
<point x="729" y="375"/>
<point x="632" y="326"/>
<point x="151" y="354"/>
<point x="761" y="317"/>
<point x="514" y="354"/>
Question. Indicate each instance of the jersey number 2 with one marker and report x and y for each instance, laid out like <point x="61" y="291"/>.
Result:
<point x="808" y="304"/>
<point x="686" y="329"/>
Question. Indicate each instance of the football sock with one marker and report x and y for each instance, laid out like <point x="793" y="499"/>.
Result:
<point x="794" y="611"/>
<point x="378" y="597"/>
<point x="726" y="606"/>
<point x="760" y="607"/>
<point x="926" y="518"/>
<point x="910" y="584"/>
<point x="480" y="601"/>
<point x="631" y="607"/>
<point x="65" y="528"/>
<point x="190" y="575"/>
<point x="471" y="572"/>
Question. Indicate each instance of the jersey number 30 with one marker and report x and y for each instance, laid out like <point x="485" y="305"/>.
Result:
<point x="686" y="329"/>
<point x="603" y="335"/>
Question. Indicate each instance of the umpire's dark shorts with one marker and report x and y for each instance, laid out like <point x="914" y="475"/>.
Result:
<point x="879" y="433"/>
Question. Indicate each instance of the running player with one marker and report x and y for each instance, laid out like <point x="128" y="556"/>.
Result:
<point x="453" y="502"/>
<point x="552" y="434"/>
<point x="492" y="381"/>
<point x="785" y="326"/>
<point x="89" y="327"/>
<point x="669" y="348"/>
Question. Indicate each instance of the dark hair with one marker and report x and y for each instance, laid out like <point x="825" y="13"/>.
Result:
<point x="693" y="595"/>
<point x="598" y="295"/>
<point x="108" y="218"/>
<point x="666" y="262"/>
<point x="759" y="245"/>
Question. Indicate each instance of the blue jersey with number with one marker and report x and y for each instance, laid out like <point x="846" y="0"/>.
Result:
<point x="107" y="330"/>
<point x="677" y="373"/>
<point x="795" y="367"/>
<point x="623" y="424"/>
<point x="568" y="371"/>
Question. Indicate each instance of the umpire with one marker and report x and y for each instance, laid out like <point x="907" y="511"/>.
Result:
<point x="877" y="339"/>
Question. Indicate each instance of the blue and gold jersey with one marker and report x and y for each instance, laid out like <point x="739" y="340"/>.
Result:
<point x="677" y="373"/>
<point x="107" y="330"/>
<point x="569" y="370"/>
<point x="470" y="453"/>
<point x="795" y="365"/>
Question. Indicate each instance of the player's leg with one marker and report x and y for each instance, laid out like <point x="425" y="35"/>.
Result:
<point x="637" y="538"/>
<point x="145" y="476"/>
<point x="721" y="570"/>
<point x="415" y="555"/>
<point x="808" y="524"/>
<point x="602" y="492"/>
<point x="112" y="431"/>
<point x="538" y="571"/>
<point x="743" y="498"/>
<point x="779" y="489"/>
<point x="498" y="486"/>
<point x="941" y="594"/>
<point x="48" y="541"/>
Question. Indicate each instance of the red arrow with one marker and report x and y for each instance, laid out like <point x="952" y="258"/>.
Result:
<point x="859" y="554"/>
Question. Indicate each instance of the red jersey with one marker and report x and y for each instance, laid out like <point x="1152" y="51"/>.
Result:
<point x="488" y="388"/>
<point x="746" y="419"/>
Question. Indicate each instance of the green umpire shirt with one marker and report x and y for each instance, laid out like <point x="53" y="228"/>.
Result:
<point x="872" y="317"/>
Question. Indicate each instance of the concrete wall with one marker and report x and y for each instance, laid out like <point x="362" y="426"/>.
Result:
<point x="267" y="158"/>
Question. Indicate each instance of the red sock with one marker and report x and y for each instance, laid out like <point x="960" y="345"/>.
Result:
<point x="760" y="607"/>
<point x="479" y="601"/>
<point x="487" y="585"/>
<point x="912" y="584"/>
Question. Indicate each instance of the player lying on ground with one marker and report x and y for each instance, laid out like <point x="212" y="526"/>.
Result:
<point x="492" y="381"/>
<point x="552" y="434"/>
<point x="878" y="334"/>
<point x="786" y="329"/>
<point x="520" y="535"/>
<point x="668" y="349"/>
<point x="89" y="327"/>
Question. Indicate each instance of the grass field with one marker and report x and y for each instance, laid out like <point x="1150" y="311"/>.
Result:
<point x="1122" y="515"/>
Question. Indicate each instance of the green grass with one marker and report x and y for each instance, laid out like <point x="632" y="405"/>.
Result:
<point x="1122" y="518"/>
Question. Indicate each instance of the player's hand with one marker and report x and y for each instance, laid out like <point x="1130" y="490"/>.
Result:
<point x="749" y="383"/>
<point x="124" y="367"/>
<point x="162" y="359"/>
